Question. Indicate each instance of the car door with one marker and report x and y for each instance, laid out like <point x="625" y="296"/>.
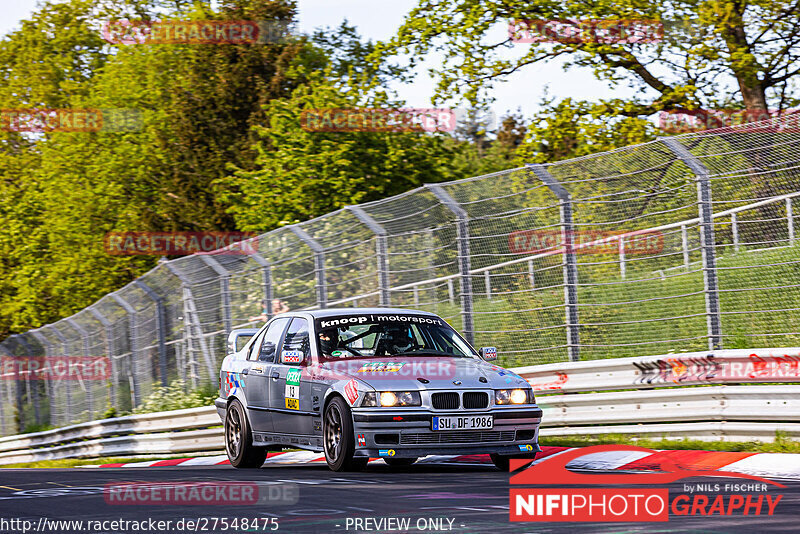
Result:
<point x="257" y="382"/>
<point x="290" y="389"/>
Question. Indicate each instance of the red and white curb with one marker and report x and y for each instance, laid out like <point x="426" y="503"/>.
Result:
<point x="751" y="463"/>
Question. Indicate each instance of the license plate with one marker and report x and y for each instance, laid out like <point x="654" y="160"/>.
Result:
<point x="465" y="422"/>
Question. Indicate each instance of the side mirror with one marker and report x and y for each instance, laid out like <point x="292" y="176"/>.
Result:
<point x="291" y="356"/>
<point x="488" y="353"/>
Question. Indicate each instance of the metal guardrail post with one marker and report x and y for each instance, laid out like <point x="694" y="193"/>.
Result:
<point x="161" y="329"/>
<point x="133" y="335"/>
<point x="710" y="281"/>
<point x="462" y="236"/>
<point x="266" y="280"/>
<point x="570" y="260"/>
<point x="48" y="351"/>
<point x="381" y="249"/>
<point x="65" y="353"/>
<point x="112" y="389"/>
<point x="224" y="287"/>
<point x="85" y="341"/>
<point x="319" y="261"/>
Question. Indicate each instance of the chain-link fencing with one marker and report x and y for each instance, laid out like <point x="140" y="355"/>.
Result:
<point x="683" y="244"/>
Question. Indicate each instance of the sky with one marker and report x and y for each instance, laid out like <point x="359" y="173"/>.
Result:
<point x="379" y="19"/>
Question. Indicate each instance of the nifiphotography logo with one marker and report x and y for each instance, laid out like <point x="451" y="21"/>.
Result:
<point x="602" y="497"/>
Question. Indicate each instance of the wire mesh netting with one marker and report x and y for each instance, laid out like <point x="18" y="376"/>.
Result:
<point x="681" y="244"/>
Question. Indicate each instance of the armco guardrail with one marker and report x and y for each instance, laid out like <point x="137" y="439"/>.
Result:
<point x="682" y="369"/>
<point x="653" y="396"/>
<point x="178" y="431"/>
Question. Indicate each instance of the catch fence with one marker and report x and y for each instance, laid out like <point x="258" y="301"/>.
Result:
<point x="687" y="243"/>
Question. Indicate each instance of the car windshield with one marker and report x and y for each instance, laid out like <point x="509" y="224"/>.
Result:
<point x="375" y="336"/>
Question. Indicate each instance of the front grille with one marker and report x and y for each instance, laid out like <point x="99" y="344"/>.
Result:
<point x="456" y="437"/>
<point x="473" y="399"/>
<point x="444" y="401"/>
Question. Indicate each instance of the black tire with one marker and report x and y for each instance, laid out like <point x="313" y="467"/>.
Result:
<point x="338" y="440"/>
<point x="503" y="462"/>
<point x="239" y="439"/>
<point x="400" y="462"/>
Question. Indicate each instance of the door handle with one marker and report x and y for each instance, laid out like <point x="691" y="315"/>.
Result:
<point x="275" y="375"/>
<point x="245" y="371"/>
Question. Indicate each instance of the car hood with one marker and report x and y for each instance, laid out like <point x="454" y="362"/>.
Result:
<point x="428" y="372"/>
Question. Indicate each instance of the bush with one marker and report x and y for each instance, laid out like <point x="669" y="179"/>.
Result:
<point x="175" y="397"/>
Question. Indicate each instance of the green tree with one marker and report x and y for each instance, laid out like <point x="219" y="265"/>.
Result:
<point x="302" y="174"/>
<point x="715" y="54"/>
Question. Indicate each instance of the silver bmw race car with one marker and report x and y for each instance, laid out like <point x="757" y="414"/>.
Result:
<point x="360" y="383"/>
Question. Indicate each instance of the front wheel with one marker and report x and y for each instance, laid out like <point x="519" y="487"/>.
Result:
<point x="503" y="462"/>
<point x="338" y="439"/>
<point x="239" y="439"/>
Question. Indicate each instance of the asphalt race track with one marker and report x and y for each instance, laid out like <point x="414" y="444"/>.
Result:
<point x="463" y="499"/>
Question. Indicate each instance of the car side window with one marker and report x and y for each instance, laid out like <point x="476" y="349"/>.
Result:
<point x="272" y="337"/>
<point x="251" y="354"/>
<point x="297" y="338"/>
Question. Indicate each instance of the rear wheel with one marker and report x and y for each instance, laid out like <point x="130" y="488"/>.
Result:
<point x="239" y="439"/>
<point x="503" y="462"/>
<point x="400" y="462"/>
<point x="338" y="439"/>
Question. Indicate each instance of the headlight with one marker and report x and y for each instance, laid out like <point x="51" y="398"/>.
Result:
<point x="514" y="396"/>
<point x="392" y="398"/>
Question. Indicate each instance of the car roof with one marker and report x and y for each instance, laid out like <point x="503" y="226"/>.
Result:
<point x="328" y="312"/>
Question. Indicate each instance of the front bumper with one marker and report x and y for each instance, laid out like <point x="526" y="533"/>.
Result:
<point x="404" y="433"/>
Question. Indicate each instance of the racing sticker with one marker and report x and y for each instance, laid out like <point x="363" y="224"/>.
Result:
<point x="362" y="442"/>
<point x="526" y="448"/>
<point x="232" y="382"/>
<point x="351" y="391"/>
<point x="381" y="367"/>
<point x="386" y="452"/>
<point x="292" y="393"/>
<point x="257" y="369"/>
<point x="291" y="356"/>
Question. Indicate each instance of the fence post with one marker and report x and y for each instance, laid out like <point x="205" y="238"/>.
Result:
<point x="462" y="236"/>
<point x="713" y="317"/>
<point x="266" y="280"/>
<point x="133" y="335"/>
<point x="319" y="261"/>
<point x="381" y="251"/>
<point x="112" y="389"/>
<point x="790" y="220"/>
<point x="85" y="342"/>
<point x="225" y="290"/>
<point x="17" y="392"/>
<point x="161" y="328"/>
<point x="48" y="386"/>
<point x="570" y="261"/>
<point x="33" y="390"/>
<point x="191" y="321"/>
<point x="67" y="389"/>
